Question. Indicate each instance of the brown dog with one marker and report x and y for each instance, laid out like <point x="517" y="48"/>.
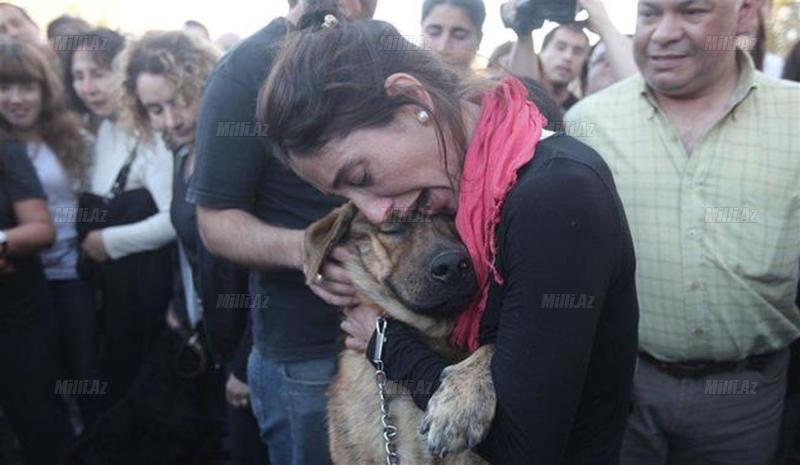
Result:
<point x="417" y="272"/>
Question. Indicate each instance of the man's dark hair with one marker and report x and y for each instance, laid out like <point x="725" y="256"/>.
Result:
<point x="574" y="27"/>
<point x="475" y="9"/>
<point x="66" y="24"/>
<point x="791" y="70"/>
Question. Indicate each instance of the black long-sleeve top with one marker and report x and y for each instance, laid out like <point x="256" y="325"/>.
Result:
<point x="564" y="322"/>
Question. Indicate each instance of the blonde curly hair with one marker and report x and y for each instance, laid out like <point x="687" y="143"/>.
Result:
<point x="185" y="61"/>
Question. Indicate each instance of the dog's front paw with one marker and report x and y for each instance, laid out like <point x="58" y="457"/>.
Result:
<point x="461" y="410"/>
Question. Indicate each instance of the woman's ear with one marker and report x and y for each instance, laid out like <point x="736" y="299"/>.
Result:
<point x="403" y="83"/>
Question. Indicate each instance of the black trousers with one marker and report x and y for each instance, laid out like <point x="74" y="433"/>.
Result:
<point x="136" y="291"/>
<point x="77" y="338"/>
<point x="27" y="387"/>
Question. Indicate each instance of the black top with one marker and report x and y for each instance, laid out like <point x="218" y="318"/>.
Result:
<point x="182" y="213"/>
<point x="21" y="292"/>
<point x="564" y="323"/>
<point x="234" y="171"/>
<point x="218" y="282"/>
<point x="183" y="216"/>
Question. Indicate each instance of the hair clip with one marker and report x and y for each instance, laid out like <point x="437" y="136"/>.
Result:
<point x="330" y="21"/>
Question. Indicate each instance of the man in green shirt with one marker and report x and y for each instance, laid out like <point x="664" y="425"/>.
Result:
<point x="705" y="151"/>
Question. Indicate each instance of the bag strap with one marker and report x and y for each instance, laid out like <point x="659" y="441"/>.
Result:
<point x="122" y="176"/>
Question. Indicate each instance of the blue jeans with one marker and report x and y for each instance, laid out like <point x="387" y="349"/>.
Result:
<point x="290" y="403"/>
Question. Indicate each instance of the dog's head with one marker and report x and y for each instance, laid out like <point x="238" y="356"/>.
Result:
<point x="416" y="263"/>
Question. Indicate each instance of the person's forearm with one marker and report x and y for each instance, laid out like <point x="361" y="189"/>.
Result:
<point x="524" y="62"/>
<point x="29" y="238"/>
<point x="410" y="362"/>
<point x="149" y="234"/>
<point x="619" y="52"/>
<point x="247" y="241"/>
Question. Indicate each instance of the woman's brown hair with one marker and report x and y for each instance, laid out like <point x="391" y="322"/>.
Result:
<point x="183" y="60"/>
<point x="329" y="81"/>
<point x="60" y="128"/>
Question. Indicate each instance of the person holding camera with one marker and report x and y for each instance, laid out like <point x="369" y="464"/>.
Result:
<point x="564" y="51"/>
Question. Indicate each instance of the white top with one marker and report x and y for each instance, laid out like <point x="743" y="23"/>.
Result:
<point x="60" y="260"/>
<point x="773" y="65"/>
<point x="152" y="169"/>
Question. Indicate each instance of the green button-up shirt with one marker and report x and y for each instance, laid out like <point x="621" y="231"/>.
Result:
<point x="717" y="233"/>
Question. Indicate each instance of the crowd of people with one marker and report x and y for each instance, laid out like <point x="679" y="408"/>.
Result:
<point x="658" y="174"/>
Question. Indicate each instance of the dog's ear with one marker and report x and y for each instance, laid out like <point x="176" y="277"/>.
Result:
<point x="324" y="235"/>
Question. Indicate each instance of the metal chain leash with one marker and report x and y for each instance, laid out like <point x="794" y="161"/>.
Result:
<point x="389" y="429"/>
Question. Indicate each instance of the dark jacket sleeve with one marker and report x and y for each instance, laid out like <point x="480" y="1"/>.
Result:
<point x="226" y="326"/>
<point x="406" y="358"/>
<point x="561" y="239"/>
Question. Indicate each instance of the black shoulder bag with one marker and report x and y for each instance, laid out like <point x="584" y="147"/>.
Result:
<point x="117" y="208"/>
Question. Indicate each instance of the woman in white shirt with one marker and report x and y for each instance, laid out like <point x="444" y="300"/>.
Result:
<point x="135" y="257"/>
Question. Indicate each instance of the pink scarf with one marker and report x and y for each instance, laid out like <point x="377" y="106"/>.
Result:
<point x="503" y="141"/>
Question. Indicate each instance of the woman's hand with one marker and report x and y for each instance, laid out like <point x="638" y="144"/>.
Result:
<point x="334" y="286"/>
<point x="359" y="324"/>
<point x="94" y="247"/>
<point x="237" y="393"/>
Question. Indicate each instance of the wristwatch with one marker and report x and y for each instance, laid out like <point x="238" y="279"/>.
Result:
<point x="3" y="243"/>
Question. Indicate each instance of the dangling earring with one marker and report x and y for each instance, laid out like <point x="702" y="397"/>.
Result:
<point x="423" y="117"/>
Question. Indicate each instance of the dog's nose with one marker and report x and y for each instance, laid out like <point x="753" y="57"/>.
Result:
<point x="451" y="267"/>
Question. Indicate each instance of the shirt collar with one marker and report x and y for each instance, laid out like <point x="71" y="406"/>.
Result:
<point x="745" y="83"/>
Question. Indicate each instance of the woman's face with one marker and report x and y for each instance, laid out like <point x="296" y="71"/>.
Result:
<point x="175" y="119"/>
<point x="396" y="168"/>
<point x="450" y="32"/>
<point x="92" y="83"/>
<point x="21" y="104"/>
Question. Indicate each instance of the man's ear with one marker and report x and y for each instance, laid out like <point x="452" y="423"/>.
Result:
<point x="747" y="16"/>
<point x="324" y="235"/>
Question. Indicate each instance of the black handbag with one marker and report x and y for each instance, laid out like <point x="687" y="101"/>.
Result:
<point x="117" y="208"/>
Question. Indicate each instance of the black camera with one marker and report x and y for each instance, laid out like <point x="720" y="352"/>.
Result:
<point x="523" y="16"/>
